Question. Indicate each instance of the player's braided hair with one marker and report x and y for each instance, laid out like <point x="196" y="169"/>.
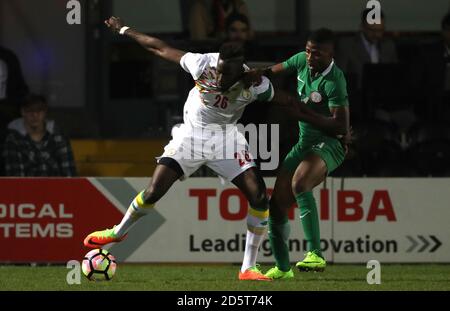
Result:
<point x="231" y="50"/>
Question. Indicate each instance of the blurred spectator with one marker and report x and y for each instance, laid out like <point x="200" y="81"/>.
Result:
<point x="434" y="76"/>
<point x="207" y="17"/>
<point x="237" y="29"/>
<point x="12" y="89"/>
<point x="354" y="54"/>
<point x="34" y="147"/>
<point x="368" y="47"/>
<point x="12" y="86"/>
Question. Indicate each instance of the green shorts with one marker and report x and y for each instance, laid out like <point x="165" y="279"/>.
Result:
<point x="330" y="150"/>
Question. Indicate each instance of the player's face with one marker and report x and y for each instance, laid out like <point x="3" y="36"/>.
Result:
<point x="228" y="73"/>
<point x="318" y="56"/>
<point x="373" y="32"/>
<point x="238" y="31"/>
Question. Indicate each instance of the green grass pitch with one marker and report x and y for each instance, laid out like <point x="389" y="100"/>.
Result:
<point x="184" y="277"/>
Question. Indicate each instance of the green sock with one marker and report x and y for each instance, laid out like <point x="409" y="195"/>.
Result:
<point x="279" y="230"/>
<point x="310" y="221"/>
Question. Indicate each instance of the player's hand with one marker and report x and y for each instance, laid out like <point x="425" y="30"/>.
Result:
<point x="252" y="77"/>
<point x="115" y="23"/>
<point x="347" y="139"/>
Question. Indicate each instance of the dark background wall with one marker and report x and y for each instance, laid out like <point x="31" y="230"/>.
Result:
<point x="52" y="53"/>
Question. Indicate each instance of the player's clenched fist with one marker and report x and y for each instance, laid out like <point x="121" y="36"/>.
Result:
<point x="114" y="23"/>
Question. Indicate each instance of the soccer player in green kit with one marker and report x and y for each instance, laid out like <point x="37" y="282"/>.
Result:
<point x="324" y="131"/>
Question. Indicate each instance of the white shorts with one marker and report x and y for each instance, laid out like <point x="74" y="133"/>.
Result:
<point x="226" y="154"/>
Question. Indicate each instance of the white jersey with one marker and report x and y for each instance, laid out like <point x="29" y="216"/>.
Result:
<point x="209" y="135"/>
<point x="206" y="104"/>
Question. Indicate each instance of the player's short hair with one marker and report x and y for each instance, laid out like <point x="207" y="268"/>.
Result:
<point x="231" y="50"/>
<point x="236" y="17"/>
<point x="321" y="36"/>
<point x="445" y="24"/>
<point x="366" y="12"/>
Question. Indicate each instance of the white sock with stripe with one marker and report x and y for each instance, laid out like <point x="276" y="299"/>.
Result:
<point x="256" y="229"/>
<point x="135" y="211"/>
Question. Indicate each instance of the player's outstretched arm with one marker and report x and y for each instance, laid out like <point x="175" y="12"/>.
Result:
<point x="336" y="126"/>
<point x="254" y="76"/>
<point x="152" y="44"/>
<point x="275" y="69"/>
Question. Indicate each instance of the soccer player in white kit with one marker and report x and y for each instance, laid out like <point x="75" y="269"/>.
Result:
<point x="208" y="136"/>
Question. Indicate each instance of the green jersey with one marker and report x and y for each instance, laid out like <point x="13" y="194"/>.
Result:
<point x="320" y="93"/>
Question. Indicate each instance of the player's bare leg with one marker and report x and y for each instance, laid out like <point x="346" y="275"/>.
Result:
<point x="163" y="178"/>
<point x="253" y="187"/>
<point x="310" y="173"/>
<point x="279" y="228"/>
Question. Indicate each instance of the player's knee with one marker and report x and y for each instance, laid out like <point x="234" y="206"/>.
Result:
<point x="301" y="185"/>
<point x="152" y="194"/>
<point x="279" y="207"/>
<point x="259" y="200"/>
<point x="274" y="205"/>
<point x="276" y="211"/>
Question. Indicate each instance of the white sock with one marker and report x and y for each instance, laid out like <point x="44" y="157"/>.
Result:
<point x="252" y="244"/>
<point x="135" y="211"/>
<point x="127" y="222"/>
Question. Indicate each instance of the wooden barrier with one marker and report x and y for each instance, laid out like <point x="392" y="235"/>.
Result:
<point x="116" y="158"/>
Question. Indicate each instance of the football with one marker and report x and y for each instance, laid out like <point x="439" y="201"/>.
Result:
<point x="99" y="265"/>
